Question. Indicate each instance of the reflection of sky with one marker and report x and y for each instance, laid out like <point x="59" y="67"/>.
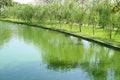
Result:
<point x="74" y="39"/>
<point x="16" y="52"/>
<point x="35" y="71"/>
<point x="110" y="74"/>
<point x="86" y="44"/>
<point x="21" y="61"/>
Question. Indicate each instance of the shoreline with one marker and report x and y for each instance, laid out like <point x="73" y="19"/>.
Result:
<point x="68" y="33"/>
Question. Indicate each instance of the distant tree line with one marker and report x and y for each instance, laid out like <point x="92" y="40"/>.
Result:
<point x="93" y="13"/>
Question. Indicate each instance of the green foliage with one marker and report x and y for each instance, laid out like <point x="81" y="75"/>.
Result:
<point x="6" y="2"/>
<point x="27" y="12"/>
<point x="94" y="12"/>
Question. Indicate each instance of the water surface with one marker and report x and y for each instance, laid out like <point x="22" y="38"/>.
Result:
<point x="28" y="53"/>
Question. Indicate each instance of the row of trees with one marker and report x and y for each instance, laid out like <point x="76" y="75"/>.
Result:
<point x="6" y="2"/>
<point x="79" y="12"/>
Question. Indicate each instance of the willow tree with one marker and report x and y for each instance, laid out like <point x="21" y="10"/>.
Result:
<point x="6" y="2"/>
<point x="70" y="12"/>
<point x="80" y="17"/>
<point x="116" y="8"/>
<point x="27" y="13"/>
<point x="58" y="13"/>
<point x="105" y="17"/>
<point x="93" y="15"/>
<point x="116" y="16"/>
<point x="116" y="22"/>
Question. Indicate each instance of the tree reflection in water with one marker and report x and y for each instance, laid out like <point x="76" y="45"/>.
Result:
<point x="5" y="34"/>
<point x="61" y="52"/>
<point x="64" y="53"/>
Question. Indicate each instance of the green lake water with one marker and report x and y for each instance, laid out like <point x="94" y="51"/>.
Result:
<point x="28" y="53"/>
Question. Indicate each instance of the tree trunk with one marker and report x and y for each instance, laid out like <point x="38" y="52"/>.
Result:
<point x="60" y="23"/>
<point x="110" y="33"/>
<point x="110" y="36"/>
<point x="93" y="29"/>
<point x="70" y="25"/>
<point x="80" y="27"/>
<point x="51" y="22"/>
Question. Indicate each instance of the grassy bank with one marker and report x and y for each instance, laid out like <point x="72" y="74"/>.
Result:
<point x="87" y="31"/>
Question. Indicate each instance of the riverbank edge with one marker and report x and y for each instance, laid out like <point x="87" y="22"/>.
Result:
<point x="68" y="33"/>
